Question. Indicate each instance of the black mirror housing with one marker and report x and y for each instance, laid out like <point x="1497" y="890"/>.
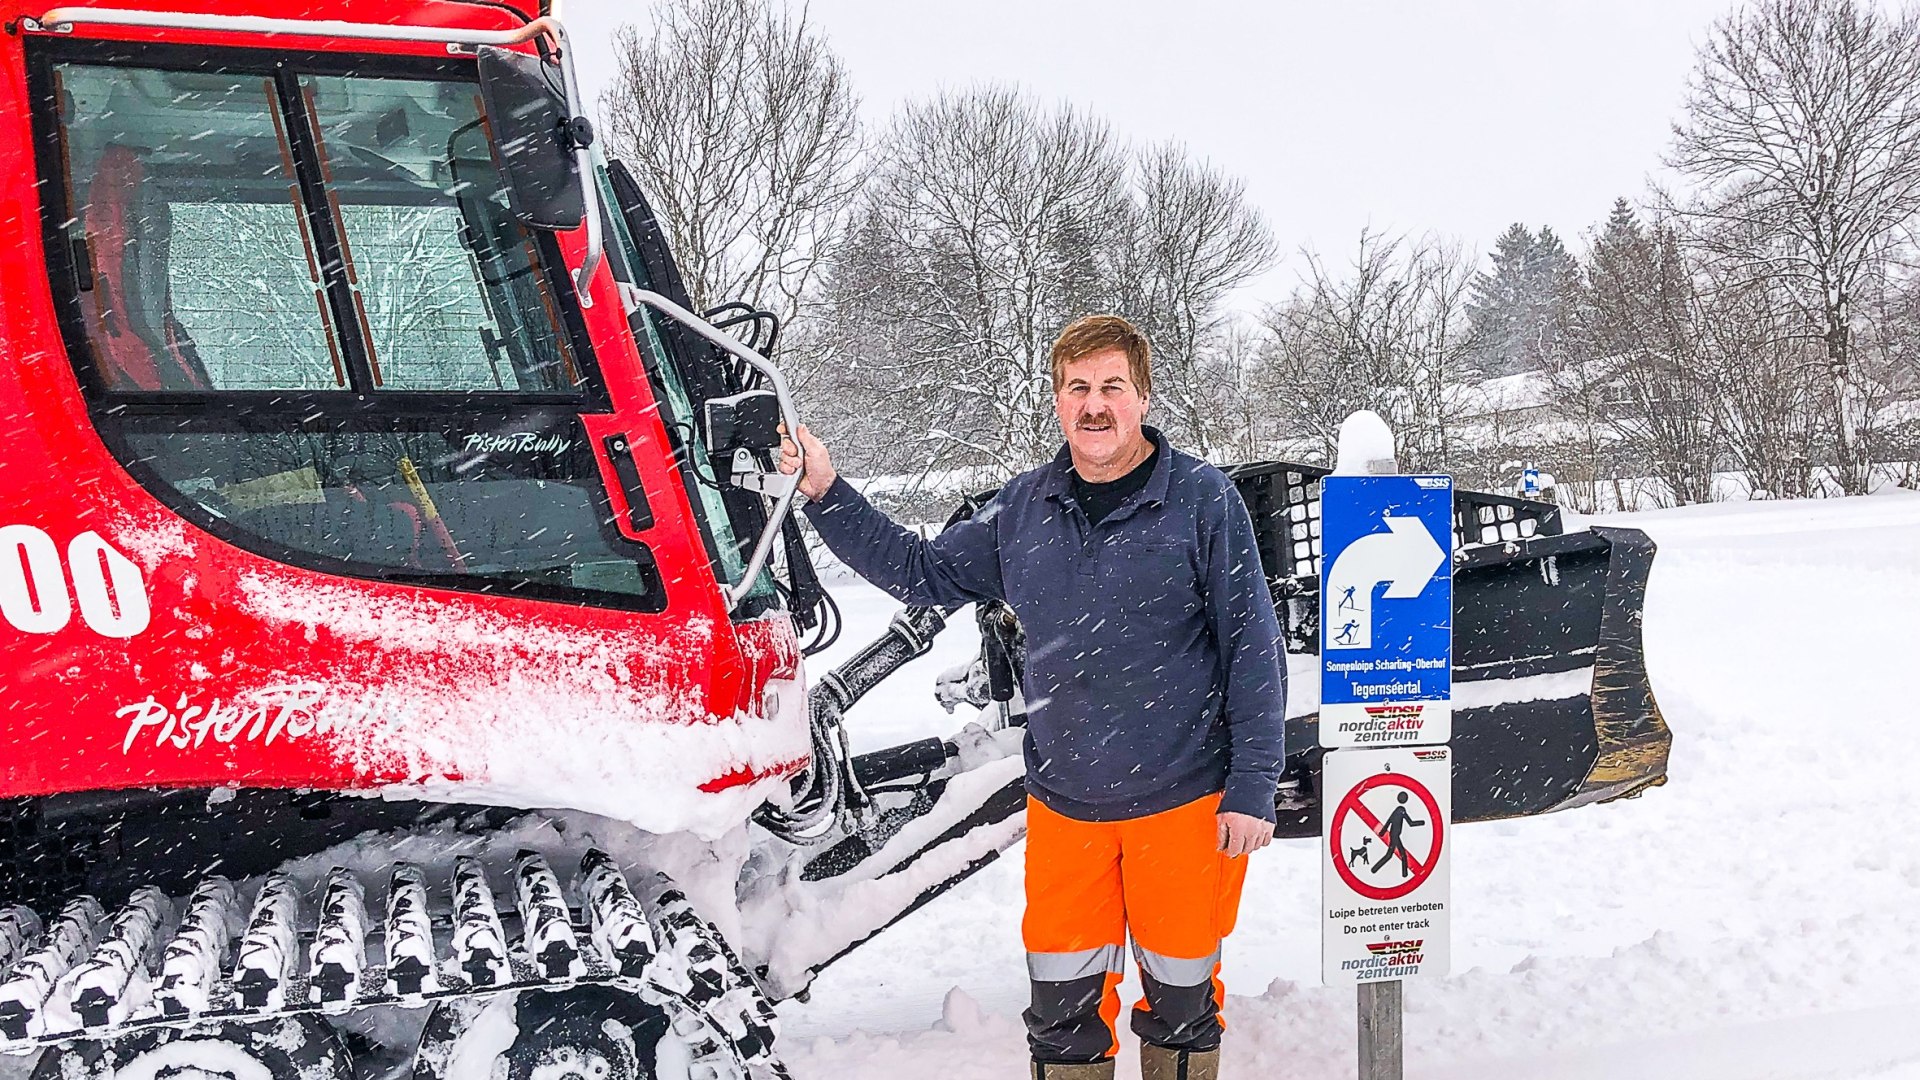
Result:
<point x="745" y="421"/>
<point x="534" y="138"/>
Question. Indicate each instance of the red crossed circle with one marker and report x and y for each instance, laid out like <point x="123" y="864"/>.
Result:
<point x="1352" y="805"/>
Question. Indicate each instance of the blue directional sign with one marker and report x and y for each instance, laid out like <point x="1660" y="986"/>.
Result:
<point x="1386" y="610"/>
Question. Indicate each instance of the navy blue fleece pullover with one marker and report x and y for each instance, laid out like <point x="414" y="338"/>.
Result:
<point x="1154" y="668"/>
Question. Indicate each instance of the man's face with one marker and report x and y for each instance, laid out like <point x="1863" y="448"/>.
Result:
<point x="1100" y="408"/>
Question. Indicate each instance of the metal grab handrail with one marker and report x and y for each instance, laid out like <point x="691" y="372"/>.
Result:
<point x="62" y="20"/>
<point x="783" y="505"/>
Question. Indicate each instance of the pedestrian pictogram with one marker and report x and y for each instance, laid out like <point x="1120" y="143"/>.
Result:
<point x="1386" y="830"/>
<point x="1401" y="815"/>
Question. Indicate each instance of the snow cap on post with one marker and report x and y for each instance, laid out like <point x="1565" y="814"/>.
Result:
<point x="1366" y="446"/>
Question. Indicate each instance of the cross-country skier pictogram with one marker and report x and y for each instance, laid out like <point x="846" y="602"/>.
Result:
<point x="1390" y="831"/>
<point x="1347" y="602"/>
<point x="1345" y="636"/>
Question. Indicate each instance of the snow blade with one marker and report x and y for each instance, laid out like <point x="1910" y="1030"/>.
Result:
<point x="1555" y="708"/>
<point x="89" y="976"/>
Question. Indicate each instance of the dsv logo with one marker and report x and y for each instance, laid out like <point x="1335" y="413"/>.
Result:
<point x="34" y="598"/>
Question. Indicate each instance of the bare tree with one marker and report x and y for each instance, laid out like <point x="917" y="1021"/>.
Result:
<point x="1244" y="414"/>
<point x="1889" y="346"/>
<point x="740" y="125"/>
<point x="986" y="226"/>
<point x="1195" y="240"/>
<point x="1327" y="355"/>
<point x="1636" y="366"/>
<point x="1802" y="134"/>
<point x="1766" y="390"/>
<point x="1389" y="334"/>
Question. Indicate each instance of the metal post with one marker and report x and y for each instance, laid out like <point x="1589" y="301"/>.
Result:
<point x="1378" y="1011"/>
<point x="1380" y="1032"/>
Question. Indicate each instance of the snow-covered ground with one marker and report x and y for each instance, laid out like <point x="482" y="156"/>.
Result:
<point x="1754" y="918"/>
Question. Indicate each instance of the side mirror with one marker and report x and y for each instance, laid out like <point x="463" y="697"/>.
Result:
<point x="741" y="427"/>
<point x="745" y="421"/>
<point x="534" y="138"/>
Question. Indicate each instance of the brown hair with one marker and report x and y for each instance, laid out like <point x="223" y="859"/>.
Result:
<point x="1091" y="334"/>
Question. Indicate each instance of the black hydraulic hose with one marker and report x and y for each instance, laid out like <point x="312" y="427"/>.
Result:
<point x="831" y="624"/>
<point x="908" y="636"/>
<point x="917" y="758"/>
<point x="831" y="784"/>
<point x="1000" y="648"/>
<point x="822" y="794"/>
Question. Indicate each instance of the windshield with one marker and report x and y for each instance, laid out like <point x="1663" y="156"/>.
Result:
<point x="310" y="321"/>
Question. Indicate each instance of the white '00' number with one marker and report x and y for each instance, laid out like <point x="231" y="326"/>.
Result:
<point x="33" y="584"/>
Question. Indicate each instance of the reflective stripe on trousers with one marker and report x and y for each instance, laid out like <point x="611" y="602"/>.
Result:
<point x="1173" y="971"/>
<point x="1160" y="880"/>
<point x="1068" y="966"/>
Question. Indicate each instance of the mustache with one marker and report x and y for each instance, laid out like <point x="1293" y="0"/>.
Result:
<point x="1103" y="418"/>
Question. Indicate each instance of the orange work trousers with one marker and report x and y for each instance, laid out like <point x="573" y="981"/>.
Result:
<point x="1090" y="884"/>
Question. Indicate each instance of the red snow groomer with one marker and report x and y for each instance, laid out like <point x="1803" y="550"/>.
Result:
<point x="404" y="621"/>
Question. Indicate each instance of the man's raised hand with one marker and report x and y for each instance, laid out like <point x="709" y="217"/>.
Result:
<point x="819" y="475"/>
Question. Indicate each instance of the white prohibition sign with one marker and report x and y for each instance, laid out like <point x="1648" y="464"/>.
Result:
<point x="1386" y="830"/>
<point x="33" y="590"/>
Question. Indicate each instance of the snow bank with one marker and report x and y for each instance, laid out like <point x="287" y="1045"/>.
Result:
<point x="1753" y="918"/>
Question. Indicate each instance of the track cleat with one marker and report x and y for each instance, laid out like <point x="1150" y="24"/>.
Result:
<point x="479" y="942"/>
<point x="23" y="997"/>
<point x="339" y="951"/>
<point x="546" y="928"/>
<point x="715" y="982"/>
<point x="100" y="985"/>
<point x="19" y="932"/>
<point x="190" y="964"/>
<point x="615" y="919"/>
<point x="409" y="935"/>
<point x="686" y="934"/>
<point x="271" y="948"/>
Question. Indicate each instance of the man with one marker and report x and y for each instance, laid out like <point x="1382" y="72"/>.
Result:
<point x="1155" y="692"/>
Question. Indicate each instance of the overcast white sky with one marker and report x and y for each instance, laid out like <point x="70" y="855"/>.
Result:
<point x="1456" y="116"/>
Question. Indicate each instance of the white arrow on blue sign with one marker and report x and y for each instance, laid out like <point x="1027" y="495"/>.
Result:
<point x="1386" y="610"/>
